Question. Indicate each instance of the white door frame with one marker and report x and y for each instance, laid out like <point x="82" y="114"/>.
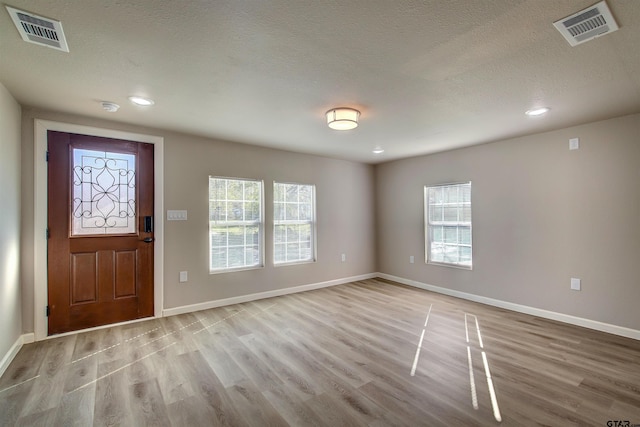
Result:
<point x="40" y="289"/>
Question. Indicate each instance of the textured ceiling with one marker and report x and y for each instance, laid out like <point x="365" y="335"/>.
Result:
<point x="427" y="75"/>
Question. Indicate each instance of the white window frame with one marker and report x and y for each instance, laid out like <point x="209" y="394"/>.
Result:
<point x="278" y="222"/>
<point x="459" y="223"/>
<point x="225" y="223"/>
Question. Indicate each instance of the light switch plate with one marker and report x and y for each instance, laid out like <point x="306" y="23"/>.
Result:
<point x="574" y="143"/>
<point x="176" y="215"/>
<point x="183" y="276"/>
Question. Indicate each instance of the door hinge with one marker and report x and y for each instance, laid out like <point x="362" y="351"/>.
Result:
<point x="48" y="234"/>
<point x="47" y="156"/>
<point x="48" y="311"/>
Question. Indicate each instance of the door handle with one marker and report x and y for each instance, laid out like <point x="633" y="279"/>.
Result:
<point x="148" y="239"/>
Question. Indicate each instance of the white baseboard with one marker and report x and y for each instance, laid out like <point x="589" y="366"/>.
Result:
<point x="552" y="315"/>
<point x="28" y="338"/>
<point x="13" y="351"/>
<point x="262" y="295"/>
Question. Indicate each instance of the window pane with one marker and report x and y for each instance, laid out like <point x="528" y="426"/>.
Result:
<point x="465" y="213"/>
<point x="235" y="189"/>
<point x="437" y="252"/>
<point x="252" y="211"/>
<point x="236" y="257"/>
<point x="292" y="233"/>
<point x="218" y="258"/>
<point x="465" y="191"/>
<point x="304" y="233"/>
<point x="293" y="222"/>
<point x="291" y="193"/>
<point x="305" y="194"/>
<point x="280" y="234"/>
<point x="252" y="191"/>
<point x="292" y="211"/>
<point x="450" y="213"/>
<point x="451" y="234"/>
<point x="438" y="233"/>
<point x="252" y="255"/>
<point x="252" y="235"/>
<point x="450" y="194"/>
<point x="218" y="189"/>
<point x="306" y="212"/>
<point x="279" y="254"/>
<point x="449" y="224"/>
<point x="278" y="211"/>
<point x="235" y="231"/>
<point x="236" y="236"/>
<point x="217" y="211"/>
<point x="293" y="251"/>
<point x="437" y="195"/>
<point x="451" y="254"/>
<point x="465" y="254"/>
<point x="218" y="238"/>
<point x="234" y="211"/>
<point x="436" y="213"/>
<point x="305" y="253"/>
<point x="465" y="235"/>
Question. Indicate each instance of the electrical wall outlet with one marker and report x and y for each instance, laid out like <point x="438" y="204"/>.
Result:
<point x="344" y="257"/>
<point x="575" y="284"/>
<point x="411" y="259"/>
<point x="183" y="276"/>
<point x="574" y="143"/>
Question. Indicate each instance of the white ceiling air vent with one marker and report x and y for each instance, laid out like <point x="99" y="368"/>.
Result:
<point x="39" y="30"/>
<point x="587" y="24"/>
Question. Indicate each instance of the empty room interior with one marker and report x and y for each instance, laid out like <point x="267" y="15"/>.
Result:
<point x="385" y="213"/>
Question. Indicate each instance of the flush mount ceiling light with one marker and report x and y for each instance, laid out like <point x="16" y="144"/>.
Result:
<point x="378" y="150"/>
<point x="537" y="111"/>
<point x="342" y="118"/>
<point x="138" y="100"/>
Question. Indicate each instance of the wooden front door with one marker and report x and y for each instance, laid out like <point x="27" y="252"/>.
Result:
<point x="100" y="246"/>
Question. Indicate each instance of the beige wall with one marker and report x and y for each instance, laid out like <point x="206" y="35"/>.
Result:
<point x="344" y="194"/>
<point x="10" y="297"/>
<point x="345" y="200"/>
<point x="541" y="215"/>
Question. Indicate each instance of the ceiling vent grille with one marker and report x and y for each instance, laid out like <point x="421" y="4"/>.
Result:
<point x="39" y="30"/>
<point x="587" y="24"/>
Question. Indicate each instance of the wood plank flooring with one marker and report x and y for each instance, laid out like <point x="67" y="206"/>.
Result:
<point x="339" y="356"/>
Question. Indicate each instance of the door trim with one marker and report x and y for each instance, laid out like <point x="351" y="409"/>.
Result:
<point x="40" y="288"/>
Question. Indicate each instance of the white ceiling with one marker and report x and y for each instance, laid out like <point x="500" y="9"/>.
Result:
<point x="427" y="76"/>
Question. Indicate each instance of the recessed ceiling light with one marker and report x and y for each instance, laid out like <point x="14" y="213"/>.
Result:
<point x="138" y="100"/>
<point x="378" y="150"/>
<point x="537" y="111"/>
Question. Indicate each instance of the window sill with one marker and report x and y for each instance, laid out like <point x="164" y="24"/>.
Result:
<point x="235" y="270"/>
<point x="287" y="264"/>
<point x="444" y="264"/>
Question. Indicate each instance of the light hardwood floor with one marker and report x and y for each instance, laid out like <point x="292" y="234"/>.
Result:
<point x="340" y="356"/>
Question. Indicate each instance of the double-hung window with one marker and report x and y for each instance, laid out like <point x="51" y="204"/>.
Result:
<point x="293" y="223"/>
<point x="448" y="224"/>
<point x="235" y="224"/>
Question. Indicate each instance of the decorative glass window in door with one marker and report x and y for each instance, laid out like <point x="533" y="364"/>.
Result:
<point x="103" y="193"/>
